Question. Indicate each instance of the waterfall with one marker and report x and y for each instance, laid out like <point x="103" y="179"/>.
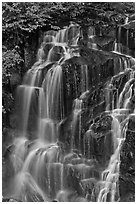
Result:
<point x="47" y="93"/>
<point x="47" y="168"/>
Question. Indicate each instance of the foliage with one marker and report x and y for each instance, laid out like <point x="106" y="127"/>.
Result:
<point x="12" y="63"/>
<point x="27" y="17"/>
<point x="21" y="20"/>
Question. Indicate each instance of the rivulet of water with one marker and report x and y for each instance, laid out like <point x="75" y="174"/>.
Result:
<point x="76" y="119"/>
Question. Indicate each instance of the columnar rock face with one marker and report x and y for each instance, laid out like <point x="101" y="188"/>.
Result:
<point x="97" y="142"/>
<point x="101" y="66"/>
<point x="81" y="104"/>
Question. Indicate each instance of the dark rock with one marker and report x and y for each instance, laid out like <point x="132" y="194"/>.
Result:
<point x="129" y="25"/>
<point x="69" y="157"/>
<point x="45" y="48"/>
<point x="10" y="200"/>
<point x="73" y="33"/>
<point x="73" y="180"/>
<point x="131" y="123"/>
<point x="101" y="66"/>
<point x="55" y="200"/>
<point x="98" y="142"/>
<point x="127" y="166"/>
<point x="104" y="42"/>
<point x="102" y="124"/>
<point x="126" y="36"/>
<point x="50" y="33"/>
<point x="130" y="197"/>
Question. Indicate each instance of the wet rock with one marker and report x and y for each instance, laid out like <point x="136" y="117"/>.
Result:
<point x="101" y="66"/>
<point x="65" y="131"/>
<point x="46" y="48"/>
<point x="102" y="124"/>
<point x="10" y="200"/>
<point x="127" y="188"/>
<point x="50" y="33"/>
<point x="83" y="171"/>
<point x="89" y="186"/>
<point x="55" y="56"/>
<point x="127" y="166"/>
<point x="105" y="42"/>
<point x="76" y="161"/>
<point x="73" y="33"/>
<point x="98" y="142"/>
<point x="69" y="196"/>
<point x="48" y="38"/>
<point x="88" y="183"/>
<point x="69" y="157"/>
<point x="131" y="123"/>
<point x="130" y="197"/>
<point x="129" y="25"/>
<point x="7" y="174"/>
<point x="72" y="180"/>
<point x="127" y="36"/>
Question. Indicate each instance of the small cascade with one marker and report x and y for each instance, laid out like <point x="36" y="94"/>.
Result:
<point x="78" y="106"/>
<point x="47" y="130"/>
<point x="53" y="86"/>
<point x="111" y="174"/>
<point x="127" y="37"/>
<point x="91" y="35"/>
<point x="91" y="32"/>
<point x="120" y="46"/>
<point x="25" y="95"/>
<point x="76" y="120"/>
<point x="126" y="20"/>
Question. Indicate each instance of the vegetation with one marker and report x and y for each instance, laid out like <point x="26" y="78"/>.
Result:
<point x="21" y="21"/>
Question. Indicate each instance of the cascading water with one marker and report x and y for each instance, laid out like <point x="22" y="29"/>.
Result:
<point x="91" y="35"/>
<point x="76" y="118"/>
<point x="29" y="166"/>
<point x="110" y="176"/>
<point x="43" y="169"/>
<point x="117" y="45"/>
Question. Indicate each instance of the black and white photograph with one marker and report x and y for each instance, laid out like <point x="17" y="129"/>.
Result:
<point x="68" y="101"/>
